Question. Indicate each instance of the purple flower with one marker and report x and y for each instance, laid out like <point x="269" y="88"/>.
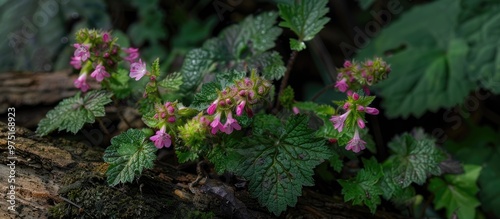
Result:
<point x="240" y="107"/>
<point x="356" y="144"/>
<point x="230" y="124"/>
<point x="76" y="62"/>
<point x="366" y="90"/>
<point x="341" y="85"/>
<point x="82" y="51"/>
<point x="216" y="124"/>
<point x="213" y="107"/>
<point x="347" y="64"/>
<point x="338" y="121"/>
<point x="133" y="54"/>
<point x="371" y="110"/>
<point x="355" y="96"/>
<point x="295" y="110"/>
<point x="100" y="73"/>
<point x="137" y="70"/>
<point x="81" y="82"/>
<point x="161" y="139"/>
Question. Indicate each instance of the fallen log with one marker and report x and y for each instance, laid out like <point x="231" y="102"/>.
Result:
<point x="58" y="178"/>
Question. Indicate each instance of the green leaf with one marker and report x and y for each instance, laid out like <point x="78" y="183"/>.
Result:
<point x="224" y="156"/>
<point x="413" y="160"/>
<point x="72" y="113"/>
<point x="206" y="96"/>
<point x="129" y="153"/>
<point x="185" y="156"/>
<point x="428" y="64"/>
<point x="484" y="144"/>
<point x="172" y="82"/>
<point x="269" y="64"/>
<point x="196" y="64"/>
<point x="305" y="19"/>
<point x="228" y="77"/>
<point x="457" y="193"/>
<point x="364" y="188"/>
<point x="322" y="110"/>
<point x="278" y="164"/>
<point x="119" y="84"/>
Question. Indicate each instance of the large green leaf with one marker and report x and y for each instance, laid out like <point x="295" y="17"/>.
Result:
<point x="279" y="163"/>
<point x="457" y="193"/>
<point x="128" y="154"/>
<point x="413" y="160"/>
<point x="428" y="64"/>
<point x="72" y="113"/>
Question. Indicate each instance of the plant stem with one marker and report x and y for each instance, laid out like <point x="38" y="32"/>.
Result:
<point x="284" y="82"/>
<point x="322" y="91"/>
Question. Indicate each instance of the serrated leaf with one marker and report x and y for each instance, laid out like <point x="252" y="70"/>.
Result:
<point x="172" y="82"/>
<point x="305" y="19"/>
<point x="428" y="64"/>
<point x="457" y="193"/>
<point x="185" y="156"/>
<point x="484" y="144"/>
<point x="206" y="96"/>
<point x="195" y="65"/>
<point x="267" y="123"/>
<point x="129" y="154"/>
<point x="279" y="164"/>
<point x="414" y="160"/>
<point x="224" y="157"/>
<point x="364" y="189"/>
<point x="227" y="78"/>
<point x="72" y="113"/>
<point x="269" y="64"/>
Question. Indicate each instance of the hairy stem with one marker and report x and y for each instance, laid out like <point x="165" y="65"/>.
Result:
<point x="284" y="82"/>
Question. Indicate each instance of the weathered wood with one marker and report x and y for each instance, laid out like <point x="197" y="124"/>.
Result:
<point x="61" y="178"/>
<point x="31" y="89"/>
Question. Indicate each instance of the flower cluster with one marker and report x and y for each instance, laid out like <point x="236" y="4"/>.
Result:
<point x="239" y="97"/>
<point x="193" y="133"/>
<point x="355" y="108"/>
<point x="354" y="76"/>
<point x="97" y="54"/>
<point x="166" y="115"/>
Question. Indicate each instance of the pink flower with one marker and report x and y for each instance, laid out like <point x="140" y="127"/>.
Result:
<point x="81" y="82"/>
<point x="213" y="107"/>
<point x="216" y="124"/>
<point x="295" y="110"/>
<point x="356" y="144"/>
<point x="338" y="121"/>
<point x="347" y="64"/>
<point x="230" y="124"/>
<point x="76" y="62"/>
<point x="161" y="139"/>
<point x="355" y="96"/>
<point x="137" y="70"/>
<point x="240" y="107"/>
<point x="100" y="73"/>
<point x="133" y="54"/>
<point x="105" y="37"/>
<point x="82" y="51"/>
<point x="341" y="85"/>
<point x="371" y="110"/>
<point x="361" y="108"/>
<point x="361" y="123"/>
<point x="346" y="105"/>
<point x="366" y="90"/>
